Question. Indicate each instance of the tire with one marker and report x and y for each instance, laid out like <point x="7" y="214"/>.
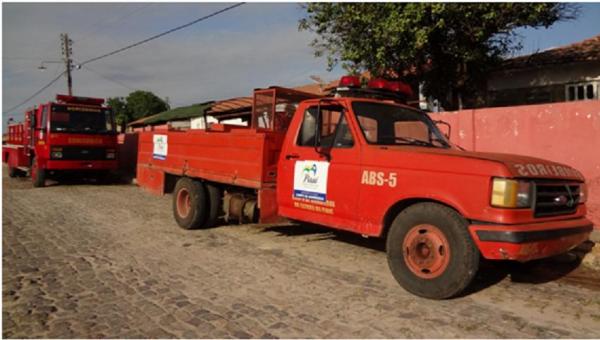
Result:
<point x="430" y="252"/>
<point x="38" y="175"/>
<point x="13" y="172"/>
<point x="215" y="204"/>
<point x="190" y="204"/>
<point x="103" y="177"/>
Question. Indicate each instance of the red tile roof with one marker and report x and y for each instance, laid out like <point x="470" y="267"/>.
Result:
<point x="231" y="105"/>
<point x="586" y="50"/>
<point x="244" y="104"/>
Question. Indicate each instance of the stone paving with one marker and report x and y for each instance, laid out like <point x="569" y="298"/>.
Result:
<point x="90" y="261"/>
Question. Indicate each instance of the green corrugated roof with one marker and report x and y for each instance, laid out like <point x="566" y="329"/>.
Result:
<point x="180" y="113"/>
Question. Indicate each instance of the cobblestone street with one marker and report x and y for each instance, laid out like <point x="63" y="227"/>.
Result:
<point x="86" y="260"/>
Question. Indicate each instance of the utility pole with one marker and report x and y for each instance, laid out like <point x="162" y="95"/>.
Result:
<point x="67" y="51"/>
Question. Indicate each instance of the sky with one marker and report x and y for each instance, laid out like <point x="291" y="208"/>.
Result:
<point x="252" y="46"/>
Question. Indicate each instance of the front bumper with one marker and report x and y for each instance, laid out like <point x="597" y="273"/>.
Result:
<point x="82" y="165"/>
<point x="524" y="242"/>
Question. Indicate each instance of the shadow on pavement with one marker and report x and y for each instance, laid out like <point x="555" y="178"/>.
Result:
<point x="565" y="267"/>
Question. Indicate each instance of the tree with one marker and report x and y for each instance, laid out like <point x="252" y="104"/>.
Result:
<point x="449" y="47"/>
<point x="122" y="114"/>
<point x="144" y="103"/>
<point x="137" y="105"/>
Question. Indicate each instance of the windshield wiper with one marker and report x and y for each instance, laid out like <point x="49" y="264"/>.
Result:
<point x="441" y="141"/>
<point x="414" y="141"/>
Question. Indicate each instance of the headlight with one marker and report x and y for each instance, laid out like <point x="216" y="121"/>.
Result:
<point x="56" y="152"/>
<point x="510" y="193"/>
<point x="583" y="193"/>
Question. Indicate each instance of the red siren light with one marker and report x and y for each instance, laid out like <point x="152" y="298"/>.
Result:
<point x="349" y="81"/>
<point x="398" y="86"/>
<point x="378" y="83"/>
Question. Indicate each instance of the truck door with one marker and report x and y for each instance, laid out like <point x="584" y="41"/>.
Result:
<point x="40" y="131"/>
<point x="319" y="174"/>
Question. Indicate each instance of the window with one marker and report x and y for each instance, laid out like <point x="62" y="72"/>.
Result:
<point x="589" y="91"/>
<point x="582" y="91"/>
<point x="385" y="124"/>
<point x="571" y="91"/>
<point x="81" y="120"/>
<point x="44" y="118"/>
<point x="333" y="128"/>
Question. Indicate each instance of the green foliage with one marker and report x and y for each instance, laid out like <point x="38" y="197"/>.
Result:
<point x="137" y="105"/>
<point x="448" y="46"/>
<point x="143" y="103"/>
<point x="122" y="114"/>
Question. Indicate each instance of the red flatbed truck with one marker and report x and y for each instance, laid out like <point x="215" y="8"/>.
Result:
<point x="363" y="162"/>
<point x="69" y="134"/>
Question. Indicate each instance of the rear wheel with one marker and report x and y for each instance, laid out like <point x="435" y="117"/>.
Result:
<point x="430" y="251"/>
<point x="13" y="172"/>
<point x="190" y="203"/>
<point x="38" y="174"/>
<point x="215" y="204"/>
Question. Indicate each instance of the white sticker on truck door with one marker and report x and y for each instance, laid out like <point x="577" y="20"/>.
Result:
<point x="160" y="147"/>
<point x="310" y="180"/>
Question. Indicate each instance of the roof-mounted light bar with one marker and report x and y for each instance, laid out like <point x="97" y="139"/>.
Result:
<point x="349" y="81"/>
<point x="79" y="100"/>
<point x="376" y="84"/>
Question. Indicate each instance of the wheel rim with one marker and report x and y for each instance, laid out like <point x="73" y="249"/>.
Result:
<point x="183" y="203"/>
<point x="426" y="251"/>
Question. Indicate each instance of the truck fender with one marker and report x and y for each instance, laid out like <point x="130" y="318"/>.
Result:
<point x="399" y="206"/>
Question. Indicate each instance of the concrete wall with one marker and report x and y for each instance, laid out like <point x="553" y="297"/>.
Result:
<point x="563" y="132"/>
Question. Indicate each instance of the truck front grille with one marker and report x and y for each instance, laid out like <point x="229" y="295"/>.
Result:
<point x="556" y="198"/>
<point x="83" y="153"/>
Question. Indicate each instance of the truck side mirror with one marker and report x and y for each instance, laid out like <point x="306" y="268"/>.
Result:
<point x="446" y="124"/>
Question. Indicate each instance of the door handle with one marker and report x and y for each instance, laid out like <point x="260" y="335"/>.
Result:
<point x="292" y="156"/>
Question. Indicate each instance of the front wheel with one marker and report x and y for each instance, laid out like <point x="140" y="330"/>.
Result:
<point x="38" y="174"/>
<point x="430" y="252"/>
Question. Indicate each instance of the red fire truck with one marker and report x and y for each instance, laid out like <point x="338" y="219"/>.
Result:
<point x="70" y="134"/>
<point x="360" y="160"/>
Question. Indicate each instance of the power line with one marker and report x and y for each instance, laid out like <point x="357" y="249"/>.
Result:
<point x="37" y="92"/>
<point x="112" y="23"/>
<point x="163" y="33"/>
<point x="108" y="78"/>
<point x="128" y="47"/>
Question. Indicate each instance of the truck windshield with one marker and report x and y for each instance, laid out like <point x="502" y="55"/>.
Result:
<point x="384" y="124"/>
<point x="66" y="118"/>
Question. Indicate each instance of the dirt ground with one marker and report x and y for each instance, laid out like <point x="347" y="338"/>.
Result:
<point x="83" y="260"/>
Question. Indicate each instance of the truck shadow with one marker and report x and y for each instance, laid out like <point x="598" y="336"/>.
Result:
<point x="565" y="267"/>
<point x="77" y="179"/>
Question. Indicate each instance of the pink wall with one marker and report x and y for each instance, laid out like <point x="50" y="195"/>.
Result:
<point x="568" y="133"/>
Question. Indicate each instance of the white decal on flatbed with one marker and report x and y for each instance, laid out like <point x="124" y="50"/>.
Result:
<point x="160" y="147"/>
